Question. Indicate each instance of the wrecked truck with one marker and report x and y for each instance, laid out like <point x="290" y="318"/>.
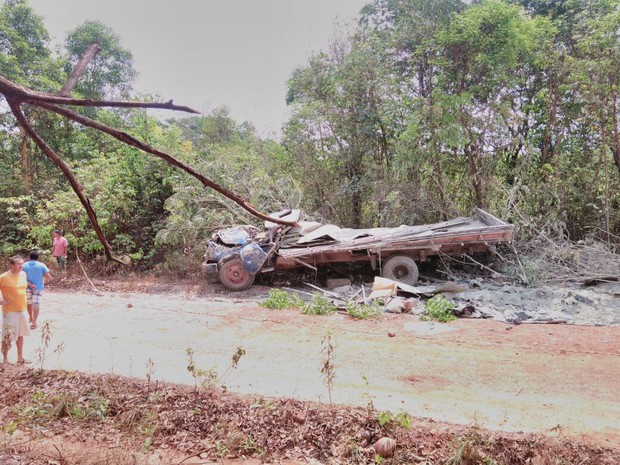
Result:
<point x="237" y="254"/>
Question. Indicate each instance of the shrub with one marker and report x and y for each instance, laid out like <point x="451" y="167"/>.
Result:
<point x="439" y="308"/>
<point x="363" y="312"/>
<point x="320" y="305"/>
<point x="279" y="299"/>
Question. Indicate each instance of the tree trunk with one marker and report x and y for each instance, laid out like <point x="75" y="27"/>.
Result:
<point x="548" y="142"/>
<point x="24" y="150"/>
<point x="474" y="172"/>
<point x="615" y="142"/>
<point x="355" y="176"/>
<point x="77" y="71"/>
<point x="436" y="155"/>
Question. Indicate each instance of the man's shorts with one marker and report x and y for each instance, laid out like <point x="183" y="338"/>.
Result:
<point x="62" y="261"/>
<point x="34" y="297"/>
<point x="14" y="325"/>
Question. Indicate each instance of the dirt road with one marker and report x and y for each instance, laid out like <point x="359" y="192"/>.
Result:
<point x="534" y="378"/>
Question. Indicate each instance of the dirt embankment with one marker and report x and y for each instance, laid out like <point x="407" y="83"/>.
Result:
<point x="72" y="418"/>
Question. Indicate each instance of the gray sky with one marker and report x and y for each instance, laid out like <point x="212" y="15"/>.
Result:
<point x="208" y="53"/>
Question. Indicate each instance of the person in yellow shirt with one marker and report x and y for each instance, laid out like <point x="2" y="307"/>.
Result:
<point x="13" y="285"/>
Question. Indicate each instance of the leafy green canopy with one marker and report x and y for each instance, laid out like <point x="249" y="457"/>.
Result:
<point x="430" y="108"/>
<point x="25" y="57"/>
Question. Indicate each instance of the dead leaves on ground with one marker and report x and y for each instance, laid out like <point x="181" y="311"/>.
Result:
<point x="135" y="415"/>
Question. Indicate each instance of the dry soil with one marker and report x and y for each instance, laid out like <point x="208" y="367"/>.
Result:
<point x="530" y="378"/>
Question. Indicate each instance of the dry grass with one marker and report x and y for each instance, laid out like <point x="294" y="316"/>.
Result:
<point x="62" y="452"/>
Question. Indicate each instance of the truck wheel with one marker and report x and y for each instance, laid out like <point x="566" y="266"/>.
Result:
<point x="401" y="268"/>
<point x="234" y="276"/>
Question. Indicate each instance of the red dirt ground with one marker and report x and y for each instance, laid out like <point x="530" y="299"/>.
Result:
<point x="530" y="378"/>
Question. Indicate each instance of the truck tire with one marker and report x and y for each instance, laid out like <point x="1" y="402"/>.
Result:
<point x="233" y="275"/>
<point x="401" y="268"/>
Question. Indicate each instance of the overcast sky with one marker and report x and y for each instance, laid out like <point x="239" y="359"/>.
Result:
<point x="208" y="53"/>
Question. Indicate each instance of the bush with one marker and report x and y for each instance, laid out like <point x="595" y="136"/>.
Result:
<point x="439" y="308"/>
<point x="363" y="312"/>
<point x="279" y="299"/>
<point x="320" y="305"/>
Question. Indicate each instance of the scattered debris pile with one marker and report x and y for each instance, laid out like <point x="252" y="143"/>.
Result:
<point x="477" y="298"/>
<point x="563" y="262"/>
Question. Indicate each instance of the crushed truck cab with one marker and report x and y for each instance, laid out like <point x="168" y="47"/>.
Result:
<point x="236" y="254"/>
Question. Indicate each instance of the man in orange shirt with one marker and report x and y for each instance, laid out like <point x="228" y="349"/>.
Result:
<point x="13" y="285"/>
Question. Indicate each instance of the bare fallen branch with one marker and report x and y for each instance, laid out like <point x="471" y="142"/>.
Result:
<point x="77" y="187"/>
<point x="25" y="95"/>
<point x="17" y="95"/>
<point x="132" y="141"/>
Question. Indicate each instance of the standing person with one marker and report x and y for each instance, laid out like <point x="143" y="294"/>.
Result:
<point x="59" y="249"/>
<point x="13" y="285"/>
<point x="37" y="275"/>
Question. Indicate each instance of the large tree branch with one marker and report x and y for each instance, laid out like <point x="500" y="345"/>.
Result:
<point x="17" y="95"/>
<point x="24" y="95"/>
<point x="77" y="187"/>
<point x="132" y="141"/>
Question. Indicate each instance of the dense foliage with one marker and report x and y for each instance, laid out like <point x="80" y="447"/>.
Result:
<point x="424" y="110"/>
<point x="432" y="108"/>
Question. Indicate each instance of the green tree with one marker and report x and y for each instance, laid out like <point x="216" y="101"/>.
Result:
<point x="596" y="73"/>
<point x="483" y="50"/>
<point x="408" y="29"/>
<point x="127" y="188"/>
<point x="341" y="129"/>
<point x="25" y="58"/>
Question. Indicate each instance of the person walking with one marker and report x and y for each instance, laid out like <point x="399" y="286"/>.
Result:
<point x="37" y="274"/>
<point x="59" y="249"/>
<point x="13" y="285"/>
